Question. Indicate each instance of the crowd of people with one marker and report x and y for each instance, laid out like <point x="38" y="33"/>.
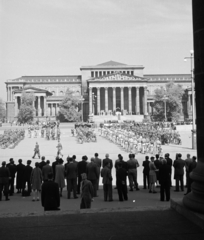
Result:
<point x="46" y="181"/>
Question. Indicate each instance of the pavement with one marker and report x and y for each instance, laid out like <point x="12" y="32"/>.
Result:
<point x="143" y="216"/>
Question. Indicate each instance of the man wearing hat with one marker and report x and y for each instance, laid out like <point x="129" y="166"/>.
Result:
<point x="87" y="192"/>
<point x="12" y="169"/>
<point x="26" y="177"/>
<point x="4" y="180"/>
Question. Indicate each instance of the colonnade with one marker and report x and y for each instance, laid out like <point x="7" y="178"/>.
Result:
<point x="133" y="102"/>
<point x="41" y="106"/>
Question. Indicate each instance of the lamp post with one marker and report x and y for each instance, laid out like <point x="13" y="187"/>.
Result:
<point x="193" y="99"/>
<point x="165" y="98"/>
<point x="82" y="101"/>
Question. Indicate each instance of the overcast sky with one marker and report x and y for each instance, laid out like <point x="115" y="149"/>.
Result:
<point x="57" y="37"/>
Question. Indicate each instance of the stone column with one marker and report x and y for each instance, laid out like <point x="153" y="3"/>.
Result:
<point x="90" y="101"/>
<point x="39" y="109"/>
<point x="98" y="101"/>
<point x="16" y="106"/>
<point x="122" y="98"/>
<point x="130" y="99"/>
<point x="138" y="100"/>
<point x="7" y="91"/>
<point x="148" y="108"/>
<point x="34" y="107"/>
<point x="189" y="102"/>
<point x="106" y="99"/>
<point x="45" y="106"/>
<point x="48" y="110"/>
<point x="195" y="199"/>
<point x="114" y="99"/>
<point x="145" y="101"/>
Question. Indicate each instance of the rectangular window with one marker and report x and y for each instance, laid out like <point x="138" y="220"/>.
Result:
<point x="92" y="74"/>
<point x="132" y="72"/>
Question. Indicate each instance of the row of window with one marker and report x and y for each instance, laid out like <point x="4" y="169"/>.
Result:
<point x="103" y="73"/>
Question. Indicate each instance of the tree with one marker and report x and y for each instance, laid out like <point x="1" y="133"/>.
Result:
<point x="174" y="93"/>
<point x="2" y="110"/>
<point x="26" y="111"/>
<point x="69" y="107"/>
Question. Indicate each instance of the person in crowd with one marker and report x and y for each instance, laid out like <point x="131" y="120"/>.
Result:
<point x="97" y="161"/>
<point x="107" y="182"/>
<point x="81" y="168"/>
<point x="132" y="165"/>
<point x="92" y="175"/>
<point x="46" y="170"/>
<point x="36" y="150"/>
<point x="107" y="159"/>
<point x="121" y="181"/>
<point x="74" y="159"/>
<point x="152" y="176"/>
<point x="145" y="164"/>
<point x="169" y="162"/>
<point x="179" y="172"/>
<point x="27" y="177"/>
<point x="87" y="192"/>
<point x="59" y="149"/>
<point x="56" y="162"/>
<point x="4" y="181"/>
<point x="19" y="179"/>
<point x="187" y="163"/>
<point x="191" y="166"/>
<point x="165" y="180"/>
<point x="12" y="169"/>
<point x="36" y="181"/>
<point x="60" y="175"/>
<point x="71" y="173"/>
<point x="50" y="198"/>
<point x="42" y="163"/>
<point x="119" y="160"/>
<point x="157" y="164"/>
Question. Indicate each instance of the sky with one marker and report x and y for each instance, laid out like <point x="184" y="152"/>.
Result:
<point x="57" y="37"/>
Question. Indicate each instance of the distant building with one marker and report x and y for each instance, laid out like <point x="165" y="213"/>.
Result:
<point x="104" y="87"/>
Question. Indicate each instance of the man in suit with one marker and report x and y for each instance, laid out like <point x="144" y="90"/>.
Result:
<point x="4" y="181"/>
<point x="56" y="162"/>
<point x="12" y="169"/>
<point x="81" y="168"/>
<point x="71" y="172"/>
<point x="87" y="192"/>
<point x="50" y="197"/>
<point x="121" y="182"/>
<point x="26" y="177"/>
<point x="145" y="164"/>
<point x="98" y="164"/>
<point x="92" y="174"/>
<point x="179" y="172"/>
<point x="19" y="179"/>
<point x="36" y="150"/>
<point x="165" y="180"/>
<point x="42" y="163"/>
<point x="46" y="170"/>
<point x="107" y="182"/>
<point x="108" y="160"/>
<point x="187" y="163"/>
<point x="132" y="165"/>
<point x="191" y="166"/>
<point x="169" y="162"/>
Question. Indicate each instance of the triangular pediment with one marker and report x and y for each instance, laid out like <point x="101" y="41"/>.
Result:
<point x="111" y="63"/>
<point x="32" y="89"/>
<point x="118" y="76"/>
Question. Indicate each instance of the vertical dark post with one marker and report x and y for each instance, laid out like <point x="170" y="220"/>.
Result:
<point x="195" y="199"/>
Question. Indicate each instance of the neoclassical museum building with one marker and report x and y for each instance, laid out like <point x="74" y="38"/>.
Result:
<point x="102" y="88"/>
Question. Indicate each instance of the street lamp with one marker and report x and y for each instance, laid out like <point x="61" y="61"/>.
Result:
<point x="82" y="101"/>
<point x="193" y="98"/>
<point x="165" y="98"/>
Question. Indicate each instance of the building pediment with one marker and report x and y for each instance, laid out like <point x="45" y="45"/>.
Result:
<point x="117" y="76"/>
<point x="31" y="89"/>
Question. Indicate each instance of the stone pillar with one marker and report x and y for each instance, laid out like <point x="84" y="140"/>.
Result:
<point x="148" y="108"/>
<point x="57" y="111"/>
<point x="45" y="106"/>
<point x="7" y="90"/>
<point x="195" y="199"/>
<point x="39" y="108"/>
<point x="130" y="99"/>
<point x="138" y="100"/>
<point x="98" y="101"/>
<point x="90" y="101"/>
<point x="34" y="107"/>
<point x="114" y="99"/>
<point x="16" y="106"/>
<point x="9" y="93"/>
<point x="106" y="99"/>
<point x="48" y="110"/>
<point x="145" y="101"/>
<point x="122" y="98"/>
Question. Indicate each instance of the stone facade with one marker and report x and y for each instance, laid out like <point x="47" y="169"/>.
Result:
<point x="104" y="87"/>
